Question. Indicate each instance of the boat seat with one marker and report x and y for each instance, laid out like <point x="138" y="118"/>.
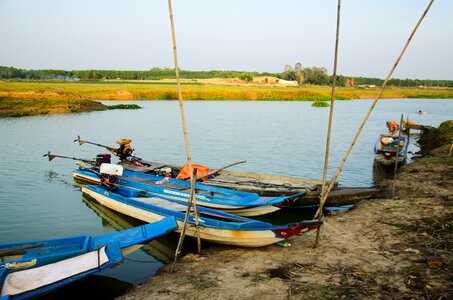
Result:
<point x="153" y="183"/>
<point x="163" y="203"/>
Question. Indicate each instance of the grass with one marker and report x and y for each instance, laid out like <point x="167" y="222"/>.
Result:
<point x="320" y="104"/>
<point x="35" y="97"/>
<point x="21" y="107"/>
<point x="107" y="90"/>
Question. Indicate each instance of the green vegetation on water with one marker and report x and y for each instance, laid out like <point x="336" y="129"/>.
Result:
<point x="124" y="106"/>
<point x="320" y="104"/>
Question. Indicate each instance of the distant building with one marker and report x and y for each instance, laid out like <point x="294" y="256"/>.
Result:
<point x="287" y="82"/>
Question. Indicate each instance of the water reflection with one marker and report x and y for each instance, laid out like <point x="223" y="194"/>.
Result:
<point x="161" y="249"/>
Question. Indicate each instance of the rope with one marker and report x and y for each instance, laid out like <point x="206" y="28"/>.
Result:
<point x="323" y="200"/>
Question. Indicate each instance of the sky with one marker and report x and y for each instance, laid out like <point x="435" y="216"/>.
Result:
<point x="242" y="35"/>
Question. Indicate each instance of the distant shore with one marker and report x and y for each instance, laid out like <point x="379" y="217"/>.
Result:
<point x="23" y="98"/>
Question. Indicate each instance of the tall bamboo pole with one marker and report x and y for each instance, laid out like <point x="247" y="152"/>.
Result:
<point x="183" y="121"/>
<point x="332" y="183"/>
<point x="184" y="224"/>
<point x="178" y="82"/>
<point x="329" y="127"/>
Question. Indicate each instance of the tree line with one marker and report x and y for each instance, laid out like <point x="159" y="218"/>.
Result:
<point x="311" y="75"/>
<point x="319" y="76"/>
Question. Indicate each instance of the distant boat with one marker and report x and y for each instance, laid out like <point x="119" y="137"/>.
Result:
<point x="237" y="202"/>
<point x="29" y="269"/>
<point x="421" y="112"/>
<point x="215" y="226"/>
<point x="389" y="150"/>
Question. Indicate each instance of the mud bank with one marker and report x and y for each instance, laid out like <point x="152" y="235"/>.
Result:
<point x="385" y="248"/>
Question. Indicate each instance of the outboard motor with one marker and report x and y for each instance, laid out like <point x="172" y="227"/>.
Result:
<point x="103" y="159"/>
<point x="125" y="150"/>
<point x="110" y="173"/>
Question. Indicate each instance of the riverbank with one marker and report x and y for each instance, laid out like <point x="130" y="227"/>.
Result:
<point x="385" y="248"/>
<point x="31" y="96"/>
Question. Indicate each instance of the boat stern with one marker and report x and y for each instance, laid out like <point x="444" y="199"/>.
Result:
<point x="297" y="229"/>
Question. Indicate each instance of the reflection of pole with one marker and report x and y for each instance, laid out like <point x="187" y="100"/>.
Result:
<point x="334" y="179"/>
<point x="397" y="155"/>
<point x="329" y="127"/>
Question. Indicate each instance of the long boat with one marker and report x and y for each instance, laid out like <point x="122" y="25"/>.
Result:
<point x="227" y="200"/>
<point x="391" y="149"/>
<point x="32" y="268"/>
<point x="214" y="226"/>
<point x="262" y="184"/>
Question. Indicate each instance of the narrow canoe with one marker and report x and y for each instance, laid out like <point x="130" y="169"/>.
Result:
<point x="227" y="200"/>
<point x="215" y="226"/>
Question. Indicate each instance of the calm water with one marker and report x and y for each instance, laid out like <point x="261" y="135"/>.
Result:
<point x="38" y="199"/>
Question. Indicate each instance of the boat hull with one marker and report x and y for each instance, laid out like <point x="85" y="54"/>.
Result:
<point x="387" y="153"/>
<point x="240" y="210"/>
<point x="241" y="238"/>
<point x="29" y="269"/>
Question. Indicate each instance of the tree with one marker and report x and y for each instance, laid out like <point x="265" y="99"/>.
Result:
<point x="289" y="73"/>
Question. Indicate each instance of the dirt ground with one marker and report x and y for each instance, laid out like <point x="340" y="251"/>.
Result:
<point x="384" y="248"/>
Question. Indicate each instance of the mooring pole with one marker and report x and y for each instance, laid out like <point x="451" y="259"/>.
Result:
<point x="192" y="198"/>
<point x="397" y="155"/>
<point x="329" y="126"/>
<point x="186" y="220"/>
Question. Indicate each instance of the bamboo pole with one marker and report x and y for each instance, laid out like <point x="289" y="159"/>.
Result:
<point x="183" y="229"/>
<point x="192" y="198"/>
<point x="329" y="127"/>
<point x="178" y="82"/>
<point x="184" y="225"/>
<point x="397" y="155"/>
<point x="332" y="183"/>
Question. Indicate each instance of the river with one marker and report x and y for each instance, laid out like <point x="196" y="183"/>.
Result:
<point x="38" y="198"/>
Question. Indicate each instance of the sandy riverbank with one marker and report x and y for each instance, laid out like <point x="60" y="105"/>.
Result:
<point x="385" y="248"/>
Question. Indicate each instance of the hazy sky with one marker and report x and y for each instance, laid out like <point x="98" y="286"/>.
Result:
<point x="249" y="35"/>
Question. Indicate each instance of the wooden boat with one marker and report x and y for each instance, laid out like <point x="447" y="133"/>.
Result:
<point x="388" y="152"/>
<point x="228" y="200"/>
<point x="263" y="184"/>
<point x="29" y="269"/>
<point x="266" y="185"/>
<point x="215" y="226"/>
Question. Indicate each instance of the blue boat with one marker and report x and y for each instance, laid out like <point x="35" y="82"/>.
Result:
<point x="388" y="151"/>
<point x="227" y="200"/>
<point x="215" y="226"/>
<point x="29" y="269"/>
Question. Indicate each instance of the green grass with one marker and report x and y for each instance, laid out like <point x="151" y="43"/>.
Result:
<point x="20" y="98"/>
